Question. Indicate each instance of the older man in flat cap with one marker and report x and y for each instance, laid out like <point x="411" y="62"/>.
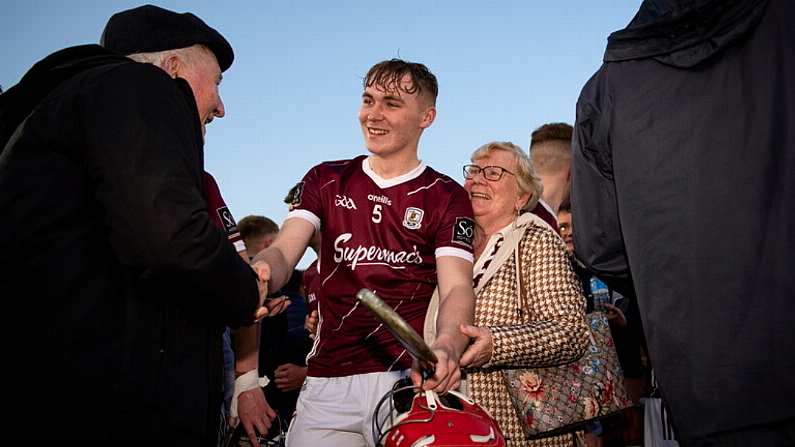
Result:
<point x="184" y="47"/>
<point x="108" y="257"/>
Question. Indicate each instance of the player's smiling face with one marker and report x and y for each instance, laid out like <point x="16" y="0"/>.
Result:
<point x="392" y="120"/>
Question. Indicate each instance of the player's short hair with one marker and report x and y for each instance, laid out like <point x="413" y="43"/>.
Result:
<point x="566" y="205"/>
<point x="387" y="75"/>
<point x="550" y="147"/>
<point x="256" y="226"/>
<point x="551" y="131"/>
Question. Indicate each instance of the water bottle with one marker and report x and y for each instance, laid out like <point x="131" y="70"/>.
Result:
<point x="600" y="294"/>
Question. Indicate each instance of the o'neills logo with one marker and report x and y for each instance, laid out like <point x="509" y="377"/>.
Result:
<point x="380" y="199"/>
<point x="371" y="254"/>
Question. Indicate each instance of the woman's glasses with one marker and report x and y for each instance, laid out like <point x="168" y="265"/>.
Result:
<point x="490" y="173"/>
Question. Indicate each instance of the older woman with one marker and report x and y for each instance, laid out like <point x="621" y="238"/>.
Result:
<point x="544" y="328"/>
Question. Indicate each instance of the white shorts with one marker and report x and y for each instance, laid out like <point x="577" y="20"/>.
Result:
<point x="338" y="411"/>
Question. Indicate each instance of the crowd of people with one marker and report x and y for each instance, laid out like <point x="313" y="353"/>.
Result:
<point x="149" y="316"/>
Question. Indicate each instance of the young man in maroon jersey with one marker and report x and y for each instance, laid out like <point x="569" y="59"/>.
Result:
<point x="391" y="224"/>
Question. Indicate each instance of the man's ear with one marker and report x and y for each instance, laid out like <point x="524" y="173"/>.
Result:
<point x="172" y="65"/>
<point x="428" y="117"/>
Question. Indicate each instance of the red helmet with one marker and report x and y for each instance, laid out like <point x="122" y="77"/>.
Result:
<point x="432" y="420"/>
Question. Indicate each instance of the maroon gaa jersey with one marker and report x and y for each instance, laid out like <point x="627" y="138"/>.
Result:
<point x="385" y="235"/>
<point x="542" y="210"/>
<point x="220" y="213"/>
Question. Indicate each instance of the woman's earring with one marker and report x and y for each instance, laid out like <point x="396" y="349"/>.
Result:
<point x="516" y="218"/>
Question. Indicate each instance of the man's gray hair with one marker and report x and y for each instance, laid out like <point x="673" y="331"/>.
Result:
<point x="159" y="58"/>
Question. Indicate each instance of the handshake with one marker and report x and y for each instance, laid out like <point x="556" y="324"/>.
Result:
<point x="268" y="306"/>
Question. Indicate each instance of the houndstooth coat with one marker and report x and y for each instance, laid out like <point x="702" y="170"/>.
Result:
<point x="549" y="330"/>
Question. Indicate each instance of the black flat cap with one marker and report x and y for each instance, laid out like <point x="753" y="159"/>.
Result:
<point x="149" y="28"/>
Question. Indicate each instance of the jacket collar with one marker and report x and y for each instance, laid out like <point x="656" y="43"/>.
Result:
<point x="683" y="33"/>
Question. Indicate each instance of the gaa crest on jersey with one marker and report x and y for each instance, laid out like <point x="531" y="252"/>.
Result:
<point x="413" y="218"/>
<point x="294" y="195"/>
<point x="344" y="202"/>
<point x="464" y="231"/>
<point x="227" y="220"/>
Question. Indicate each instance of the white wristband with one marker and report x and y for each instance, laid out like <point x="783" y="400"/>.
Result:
<point x="247" y="381"/>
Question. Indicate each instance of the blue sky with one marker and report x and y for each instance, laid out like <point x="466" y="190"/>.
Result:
<point x="292" y="95"/>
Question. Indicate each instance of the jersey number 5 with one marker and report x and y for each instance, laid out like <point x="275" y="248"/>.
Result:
<point x="377" y="213"/>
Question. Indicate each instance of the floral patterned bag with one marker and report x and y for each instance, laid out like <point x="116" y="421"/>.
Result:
<point x="559" y="399"/>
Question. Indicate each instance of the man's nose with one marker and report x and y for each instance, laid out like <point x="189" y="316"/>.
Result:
<point x="220" y="111"/>
<point x="375" y="113"/>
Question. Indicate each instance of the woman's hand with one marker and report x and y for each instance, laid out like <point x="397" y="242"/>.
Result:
<point x="481" y="347"/>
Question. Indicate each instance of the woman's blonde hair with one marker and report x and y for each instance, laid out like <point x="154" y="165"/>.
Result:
<point x="525" y="173"/>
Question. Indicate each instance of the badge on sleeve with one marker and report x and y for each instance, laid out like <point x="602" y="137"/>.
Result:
<point x="294" y="195"/>
<point x="227" y="220"/>
<point x="464" y="232"/>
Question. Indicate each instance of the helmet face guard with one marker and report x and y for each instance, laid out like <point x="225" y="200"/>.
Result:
<point x="416" y="419"/>
<point x="423" y="418"/>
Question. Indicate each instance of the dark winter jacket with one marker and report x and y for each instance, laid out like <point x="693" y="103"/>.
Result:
<point x="683" y="186"/>
<point x="110" y="265"/>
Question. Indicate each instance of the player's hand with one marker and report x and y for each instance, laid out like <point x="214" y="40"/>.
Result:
<point x="479" y="352"/>
<point x="263" y="271"/>
<point x="289" y="377"/>
<point x="447" y="373"/>
<point x="310" y="323"/>
<point x="255" y="414"/>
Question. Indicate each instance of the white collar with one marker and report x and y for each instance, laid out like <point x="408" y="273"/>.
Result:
<point x="386" y="183"/>
<point x="512" y="234"/>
